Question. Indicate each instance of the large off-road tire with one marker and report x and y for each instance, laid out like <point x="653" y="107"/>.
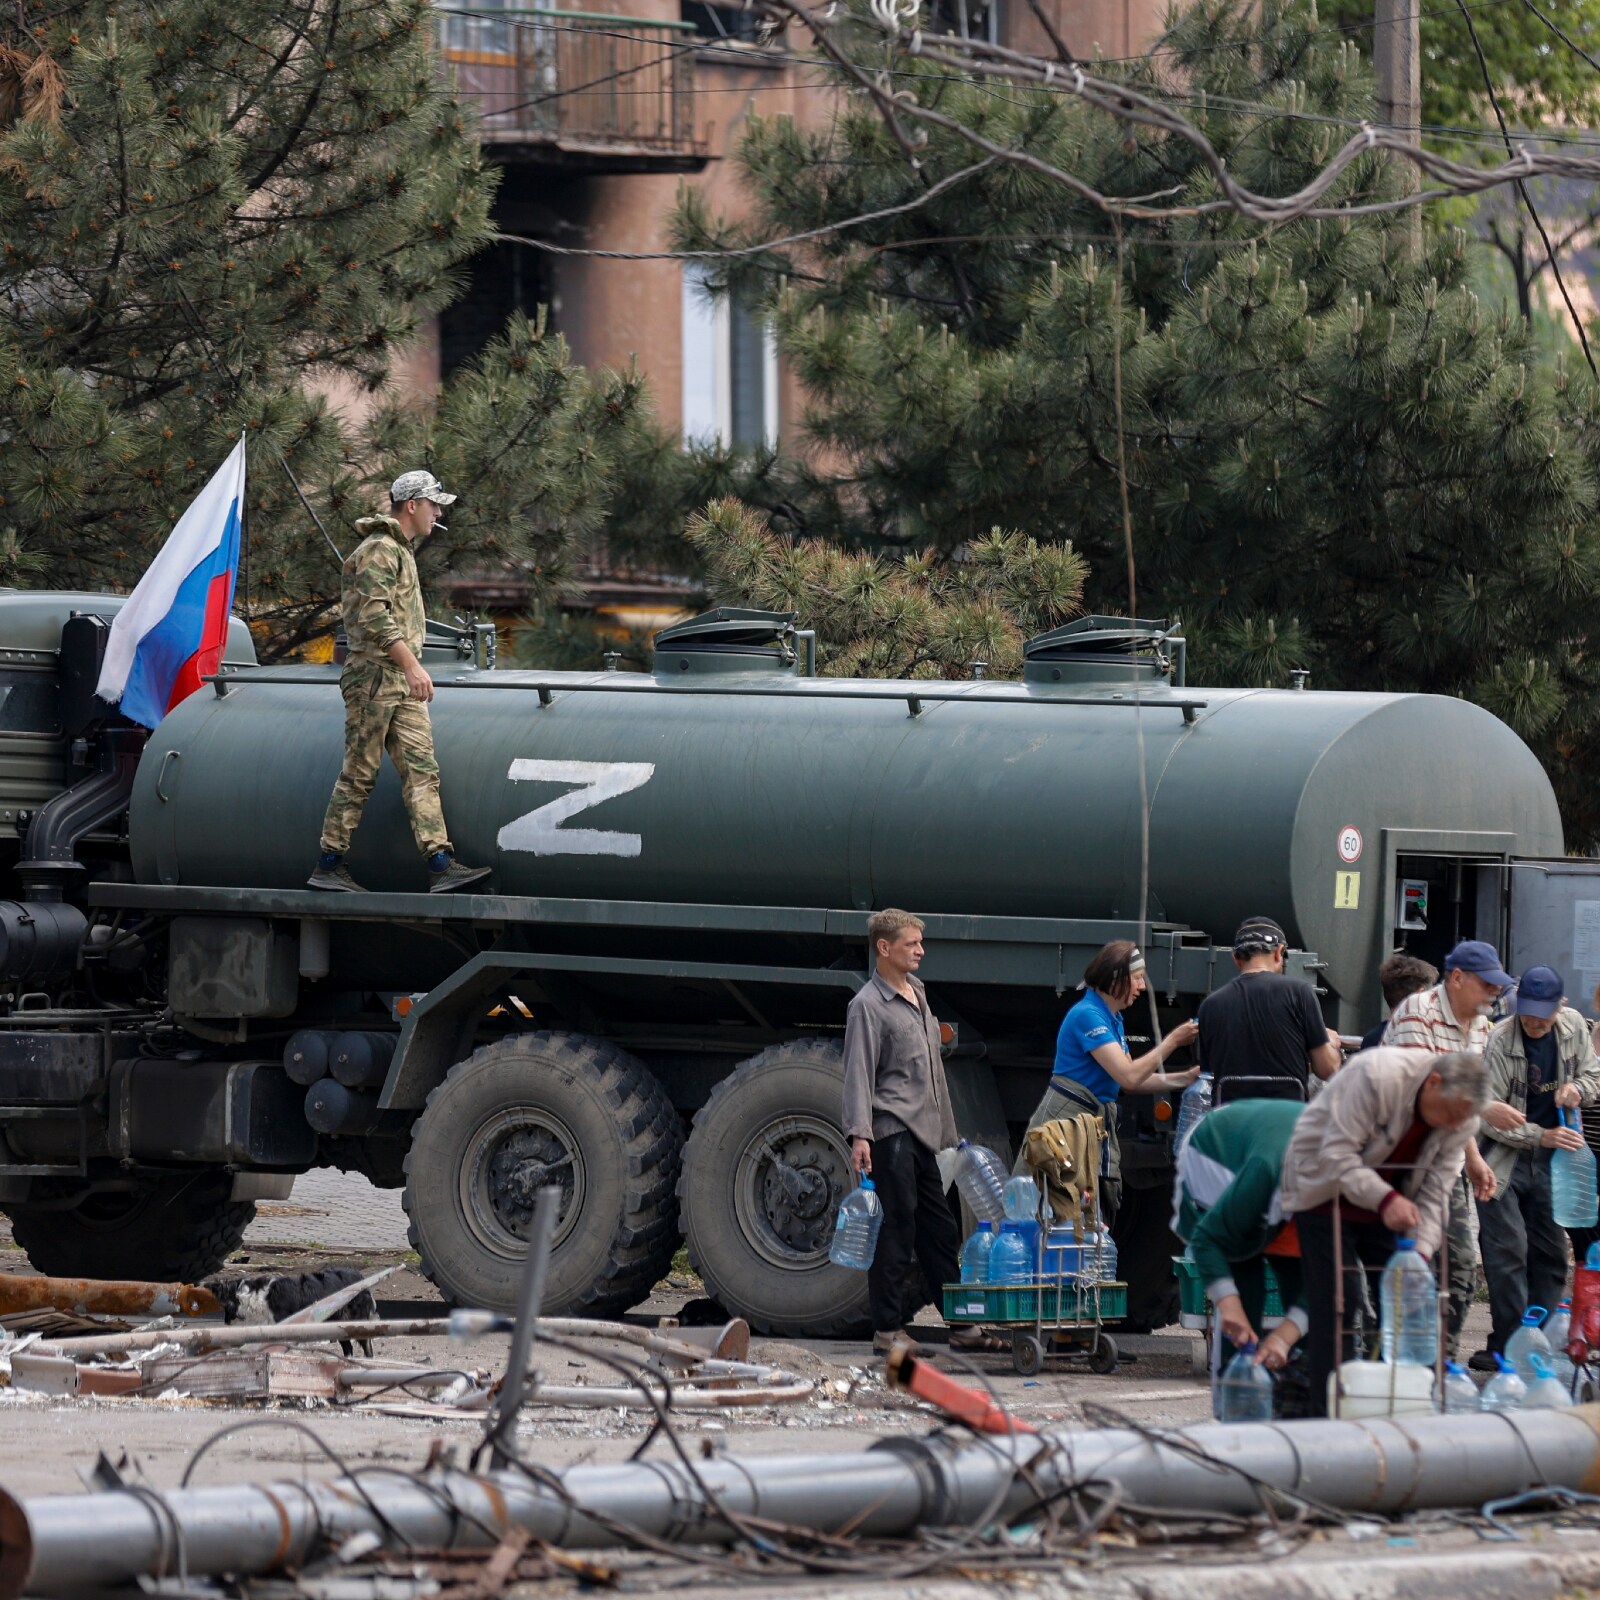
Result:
<point x="175" y="1228"/>
<point x="541" y="1108"/>
<point x="763" y="1174"/>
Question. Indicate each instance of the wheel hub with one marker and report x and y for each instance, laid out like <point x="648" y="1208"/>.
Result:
<point x="512" y="1156"/>
<point x="792" y="1175"/>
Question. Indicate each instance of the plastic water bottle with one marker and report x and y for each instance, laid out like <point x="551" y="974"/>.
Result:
<point x="1546" y="1392"/>
<point x="1505" y="1391"/>
<point x="1592" y="1259"/>
<point x="1192" y="1106"/>
<point x="1558" y="1330"/>
<point x="1010" y="1260"/>
<point x="1021" y="1199"/>
<point x="1408" y="1307"/>
<point x="1528" y="1341"/>
<point x="975" y="1254"/>
<point x="981" y="1180"/>
<point x="1245" y="1392"/>
<point x="855" y="1230"/>
<point x="1100" y="1256"/>
<point x="1572" y="1182"/>
<point x="1460" y="1392"/>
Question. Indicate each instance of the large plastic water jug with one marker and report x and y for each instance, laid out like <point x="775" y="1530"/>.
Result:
<point x="975" y="1254"/>
<point x="981" y="1180"/>
<point x="1546" y="1392"/>
<point x="855" y="1229"/>
<point x="1408" y="1307"/>
<point x="1021" y="1200"/>
<point x="1557" y="1330"/>
<point x="1380" y="1389"/>
<point x="1572" y="1182"/>
<point x="1460" y="1392"/>
<point x="1505" y="1391"/>
<point x="1100" y="1262"/>
<point x="1528" y="1341"/>
<point x="1195" y="1102"/>
<point x="1245" y="1392"/>
<point x="1010" y="1259"/>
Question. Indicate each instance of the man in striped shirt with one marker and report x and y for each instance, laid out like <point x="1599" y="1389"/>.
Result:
<point x="1454" y="1015"/>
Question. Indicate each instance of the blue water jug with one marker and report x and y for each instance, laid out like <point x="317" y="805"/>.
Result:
<point x="1573" y="1194"/>
<point x="1010" y="1261"/>
<point x="1408" y="1307"/>
<point x="975" y="1254"/>
<point x="855" y="1230"/>
<point x="1194" y="1104"/>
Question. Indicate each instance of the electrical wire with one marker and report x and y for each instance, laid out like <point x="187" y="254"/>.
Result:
<point x="1527" y="198"/>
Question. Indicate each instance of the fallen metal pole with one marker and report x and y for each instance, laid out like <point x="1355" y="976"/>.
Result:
<point x="96" y="1297"/>
<point x="59" y="1545"/>
<point x="239" y="1334"/>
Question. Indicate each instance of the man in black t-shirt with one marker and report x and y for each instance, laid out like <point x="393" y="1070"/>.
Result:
<point x="1264" y="1024"/>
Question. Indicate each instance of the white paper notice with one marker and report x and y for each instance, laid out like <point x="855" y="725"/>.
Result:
<point x="1586" y="935"/>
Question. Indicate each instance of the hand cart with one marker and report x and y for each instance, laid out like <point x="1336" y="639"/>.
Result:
<point x="1072" y="1309"/>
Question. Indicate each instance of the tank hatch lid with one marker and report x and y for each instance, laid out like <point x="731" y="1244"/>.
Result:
<point x="1099" y="650"/>
<point x="31" y="620"/>
<point x="728" y="639"/>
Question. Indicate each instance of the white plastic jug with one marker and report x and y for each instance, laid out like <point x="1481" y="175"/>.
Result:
<point x="1380" y="1389"/>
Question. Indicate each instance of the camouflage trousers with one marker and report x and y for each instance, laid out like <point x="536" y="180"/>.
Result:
<point x="379" y="715"/>
<point x="1463" y="1285"/>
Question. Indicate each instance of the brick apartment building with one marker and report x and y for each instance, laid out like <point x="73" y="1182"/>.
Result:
<point x="597" y="118"/>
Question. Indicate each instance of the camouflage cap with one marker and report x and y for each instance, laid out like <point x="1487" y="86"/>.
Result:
<point x="419" y="485"/>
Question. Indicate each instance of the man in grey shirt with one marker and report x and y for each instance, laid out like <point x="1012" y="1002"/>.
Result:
<point x="896" y="1116"/>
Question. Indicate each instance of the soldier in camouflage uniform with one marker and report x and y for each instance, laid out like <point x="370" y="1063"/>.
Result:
<point x="386" y="689"/>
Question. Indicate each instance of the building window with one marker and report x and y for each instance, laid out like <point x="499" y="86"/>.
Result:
<point x="730" y="369"/>
<point x="722" y="22"/>
<point x="965" y="19"/>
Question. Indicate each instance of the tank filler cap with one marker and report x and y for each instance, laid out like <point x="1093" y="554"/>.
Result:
<point x="1102" y="650"/>
<point x="728" y="639"/>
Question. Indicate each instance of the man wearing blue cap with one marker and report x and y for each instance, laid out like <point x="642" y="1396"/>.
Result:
<point x="1542" y="1063"/>
<point x="1454" y="1015"/>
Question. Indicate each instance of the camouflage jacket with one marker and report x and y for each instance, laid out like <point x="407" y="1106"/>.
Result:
<point x="382" y="595"/>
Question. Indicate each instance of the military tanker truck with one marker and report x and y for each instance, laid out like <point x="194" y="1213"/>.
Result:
<point x="647" y="1011"/>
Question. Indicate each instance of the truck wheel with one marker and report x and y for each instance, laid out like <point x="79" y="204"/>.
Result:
<point x="177" y="1228"/>
<point x="763" y="1174"/>
<point x="534" y="1109"/>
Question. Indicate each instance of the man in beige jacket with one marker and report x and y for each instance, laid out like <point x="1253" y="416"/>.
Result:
<point x="1387" y="1136"/>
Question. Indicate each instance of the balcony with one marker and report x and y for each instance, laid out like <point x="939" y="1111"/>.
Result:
<point x="577" y="89"/>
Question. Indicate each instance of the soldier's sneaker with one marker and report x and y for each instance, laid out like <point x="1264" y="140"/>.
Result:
<point x="454" y="875"/>
<point x="336" y="878"/>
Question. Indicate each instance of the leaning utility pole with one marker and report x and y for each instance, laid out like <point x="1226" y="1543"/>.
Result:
<point x="1397" y="56"/>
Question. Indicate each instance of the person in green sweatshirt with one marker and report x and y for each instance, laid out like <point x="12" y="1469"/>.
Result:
<point x="1227" y="1208"/>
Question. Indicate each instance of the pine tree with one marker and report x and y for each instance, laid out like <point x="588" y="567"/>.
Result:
<point x="917" y="617"/>
<point x="1338" y="456"/>
<point x="219" y="218"/>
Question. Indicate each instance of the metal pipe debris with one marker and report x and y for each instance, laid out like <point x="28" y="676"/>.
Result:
<point x="94" y="1297"/>
<point x="59" y="1545"/>
<point x="201" y="1340"/>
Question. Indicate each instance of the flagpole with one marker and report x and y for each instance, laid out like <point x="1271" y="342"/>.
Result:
<point x="244" y="522"/>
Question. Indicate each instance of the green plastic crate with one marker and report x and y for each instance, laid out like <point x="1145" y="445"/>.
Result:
<point x="1192" y="1293"/>
<point x="1062" y="1307"/>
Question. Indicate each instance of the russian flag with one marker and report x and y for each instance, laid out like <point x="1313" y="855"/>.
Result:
<point x="171" y="632"/>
